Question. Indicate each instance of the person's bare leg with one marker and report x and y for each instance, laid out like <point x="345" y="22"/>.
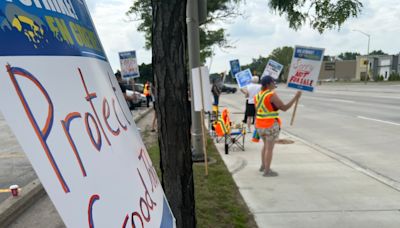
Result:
<point x="268" y="154"/>
<point x="263" y="150"/>
<point x="249" y="124"/>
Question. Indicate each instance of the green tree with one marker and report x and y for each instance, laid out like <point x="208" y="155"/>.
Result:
<point x="282" y="55"/>
<point x="217" y="11"/>
<point x="320" y="14"/>
<point x="146" y="73"/>
<point x="377" y="52"/>
<point x="348" y="55"/>
<point x="257" y="65"/>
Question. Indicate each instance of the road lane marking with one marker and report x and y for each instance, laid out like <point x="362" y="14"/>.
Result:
<point x="342" y="100"/>
<point x="381" y="121"/>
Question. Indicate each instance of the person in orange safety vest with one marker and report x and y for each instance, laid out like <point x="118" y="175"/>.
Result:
<point x="147" y="93"/>
<point x="268" y="124"/>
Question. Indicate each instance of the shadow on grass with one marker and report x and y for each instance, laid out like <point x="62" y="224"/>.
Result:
<point x="218" y="201"/>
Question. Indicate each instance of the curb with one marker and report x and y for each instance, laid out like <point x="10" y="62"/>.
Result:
<point x="348" y="162"/>
<point x="13" y="207"/>
<point x="143" y="114"/>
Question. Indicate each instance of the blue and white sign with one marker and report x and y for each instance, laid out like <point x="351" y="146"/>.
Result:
<point x="235" y="67"/>
<point x="272" y="69"/>
<point x="129" y="66"/>
<point x="59" y="95"/>
<point x="243" y="78"/>
<point x="305" y="68"/>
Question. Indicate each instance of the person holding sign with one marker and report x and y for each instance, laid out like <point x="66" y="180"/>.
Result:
<point x="216" y="91"/>
<point x="249" y="92"/>
<point x="268" y="123"/>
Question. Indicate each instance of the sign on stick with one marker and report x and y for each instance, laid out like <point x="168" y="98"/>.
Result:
<point x="201" y="89"/>
<point x="305" y="68"/>
<point x="272" y="69"/>
<point x="235" y="67"/>
<point x="243" y="78"/>
<point x="129" y="66"/>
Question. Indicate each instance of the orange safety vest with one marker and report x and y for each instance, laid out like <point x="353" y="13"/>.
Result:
<point x="222" y="126"/>
<point x="265" y="114"/>
<point x="146" y="90"/>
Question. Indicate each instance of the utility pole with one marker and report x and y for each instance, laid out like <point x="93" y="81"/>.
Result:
<point x="369" y="38"/>
<point x="193" y="22"/>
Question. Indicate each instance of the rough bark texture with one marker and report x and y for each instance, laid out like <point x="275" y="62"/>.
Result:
<point x="173" y="111"/>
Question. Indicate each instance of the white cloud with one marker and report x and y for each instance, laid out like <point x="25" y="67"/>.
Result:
<point x="258" y="33"/>
<point x="116" y="32"/>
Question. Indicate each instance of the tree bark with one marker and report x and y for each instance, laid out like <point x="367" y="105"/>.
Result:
<point x="172" y="107"/>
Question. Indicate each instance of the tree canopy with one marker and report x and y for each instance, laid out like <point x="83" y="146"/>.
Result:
<point x="377" y="52"/>
<point x="217" y="11"/>
<point x="348" y="55"/>
<point x="320" y="14"/>
<point x="282" y="55"/>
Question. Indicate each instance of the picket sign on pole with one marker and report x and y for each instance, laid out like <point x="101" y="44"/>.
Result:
<point x="304" y="70"/>
<point x="294" y="112"/>
<point x="202" y="100"/>
<point x="202" y="122"/>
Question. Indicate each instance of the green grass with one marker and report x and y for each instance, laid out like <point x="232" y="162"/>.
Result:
<point x="218" y="201"/>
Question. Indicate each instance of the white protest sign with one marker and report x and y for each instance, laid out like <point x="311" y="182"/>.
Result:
<point x="243" y="78"/>
<point x="129" y="66"/>
<point x="305" y="68"/>
<point x="60" y="97"/>
<point x="201" y="89"/>
<point x="272" y="69"/>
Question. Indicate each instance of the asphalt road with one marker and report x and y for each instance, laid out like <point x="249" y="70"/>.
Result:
<point x="14" y="165"/>
<point x="358" y="122"/>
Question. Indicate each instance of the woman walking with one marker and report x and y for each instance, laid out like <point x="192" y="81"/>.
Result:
<point x="268" y="123"/>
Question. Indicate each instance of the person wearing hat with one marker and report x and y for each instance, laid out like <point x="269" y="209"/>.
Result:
<point x="249" y="92"/>
<point x="268" y="124"/>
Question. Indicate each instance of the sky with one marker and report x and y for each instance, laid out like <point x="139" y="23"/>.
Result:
<point x="257" y="33"/>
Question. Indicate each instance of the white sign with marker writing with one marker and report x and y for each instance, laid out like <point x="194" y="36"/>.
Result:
<point x="60" y="97"/>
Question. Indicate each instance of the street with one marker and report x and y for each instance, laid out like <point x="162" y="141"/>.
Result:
<point x="357" y="122"/>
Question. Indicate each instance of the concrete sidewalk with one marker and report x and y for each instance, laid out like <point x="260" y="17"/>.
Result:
<point x="312" y="189"/>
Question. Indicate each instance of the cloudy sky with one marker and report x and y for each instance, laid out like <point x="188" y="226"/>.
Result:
<point x="258" y="33"/>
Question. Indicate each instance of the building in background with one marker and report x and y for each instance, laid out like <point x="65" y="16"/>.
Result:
<point x="380" y="68"/>
<point x="338" y="70"/>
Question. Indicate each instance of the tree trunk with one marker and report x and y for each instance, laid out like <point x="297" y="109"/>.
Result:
<point x="172" y="107"/>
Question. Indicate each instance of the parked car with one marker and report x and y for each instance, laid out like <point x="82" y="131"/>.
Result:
<point x="139" y="87"/>
<point x="228" y="89"/>
<point x="139" y="101"/>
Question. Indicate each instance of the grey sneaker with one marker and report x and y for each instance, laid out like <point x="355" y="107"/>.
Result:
<point x="261" y="169"/>
<point x="271" y="173"/>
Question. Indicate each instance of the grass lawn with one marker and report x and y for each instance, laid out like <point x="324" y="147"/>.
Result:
<point x="218" y="201"/>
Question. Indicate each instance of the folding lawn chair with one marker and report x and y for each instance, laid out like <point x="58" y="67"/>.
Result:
<point x="234" y="136"/>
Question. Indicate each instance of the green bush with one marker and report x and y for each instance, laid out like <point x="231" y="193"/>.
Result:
<point x="394" y="77"/>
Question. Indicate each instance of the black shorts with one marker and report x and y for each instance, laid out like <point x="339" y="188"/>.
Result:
<point x="250" y="110"/>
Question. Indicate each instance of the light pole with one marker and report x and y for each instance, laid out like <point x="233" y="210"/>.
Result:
<point x="196" y="15"/>
<point x="369" y="38"/>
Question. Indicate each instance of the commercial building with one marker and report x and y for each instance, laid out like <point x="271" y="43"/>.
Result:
<point x="380" y="66"/>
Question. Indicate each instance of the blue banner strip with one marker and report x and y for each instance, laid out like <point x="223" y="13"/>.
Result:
<point x="301" y="87"/>
<point x="58" y="28"/>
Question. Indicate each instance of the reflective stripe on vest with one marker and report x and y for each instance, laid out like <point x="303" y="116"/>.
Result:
<point x="262" y="111"/>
